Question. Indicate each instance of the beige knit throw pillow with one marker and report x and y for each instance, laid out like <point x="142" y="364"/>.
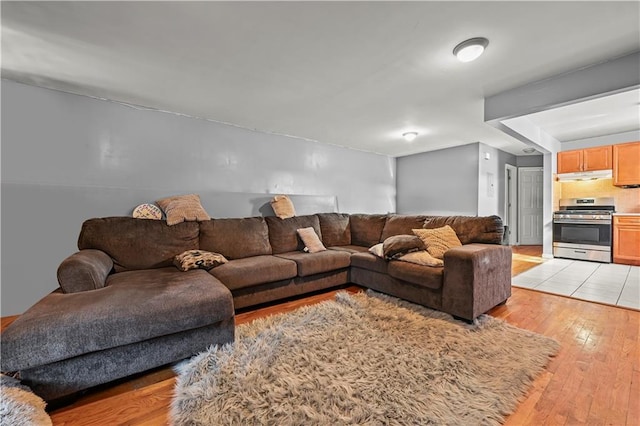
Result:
<point x="183" y="208"/>
<point x="311" y="240"/>
<point x="438" y="240"/>
<point x="421" y="257"/>
<point x="283" y="207"/>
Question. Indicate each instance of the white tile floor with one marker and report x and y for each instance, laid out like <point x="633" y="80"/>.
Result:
<point x="597" y="282"/>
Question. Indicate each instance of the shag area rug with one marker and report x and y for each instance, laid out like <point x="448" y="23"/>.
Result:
<point x="19" y="406"/>
<point x="365" y="359"/>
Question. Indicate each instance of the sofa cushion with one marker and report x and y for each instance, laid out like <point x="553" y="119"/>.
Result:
<point x="236" y="238"/>
<point x="335" y="228"/>
<point x="425" y="276"/>
<point x="315" y="263"/>
<point x="183" y="208"/>
<point x="350" y="248"/>
<point x="470" y="229"/>
<point x="84" y="270"/>
<point x="134" y="306"/>
<point x="283" y="234"/>
<point x="369" y="261"/>
<point x="366" y="229"/>
<point x="256" y="270"/>
<point x="401" y="225"/>
<point x="138" y="243"/>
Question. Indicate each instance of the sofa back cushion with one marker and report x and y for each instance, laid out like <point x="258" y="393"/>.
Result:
<point x="235" y="238"/>
<point x="470" y="229"/>
<point x="335" y="228"/>
<point x="366" y="229"/>
<point x="283" y="234"/>
<point x="401" y="225"/>
<point x="138" y="243"/>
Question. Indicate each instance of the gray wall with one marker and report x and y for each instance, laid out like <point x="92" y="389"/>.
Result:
<point x="442" y="182"/>
<point x="458" y="181"/>
<point x="66" y="158"/>
<point x="529" y="161"/>
<point x="491" y="179"/>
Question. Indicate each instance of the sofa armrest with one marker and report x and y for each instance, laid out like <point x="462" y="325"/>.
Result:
<point x="477" y="277"/>
<point x="85" y="270"/>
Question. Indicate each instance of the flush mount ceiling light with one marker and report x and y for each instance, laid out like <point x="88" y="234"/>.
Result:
<point x="470" y="49"/>
<point x="528" y="150"/>
<point x="410" y="136"/>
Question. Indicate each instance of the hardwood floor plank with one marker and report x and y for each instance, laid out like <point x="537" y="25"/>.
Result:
<point x="594" y="379"/>
<point x="633" y="406"/>
<point x="130" y="408"/>
<point x="5" y="321"/>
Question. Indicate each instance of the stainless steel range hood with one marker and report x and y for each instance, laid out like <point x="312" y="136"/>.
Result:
<point x="596" y="174"/>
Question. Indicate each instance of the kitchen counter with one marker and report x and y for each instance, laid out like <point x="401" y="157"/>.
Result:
<point x="626" y="214"/>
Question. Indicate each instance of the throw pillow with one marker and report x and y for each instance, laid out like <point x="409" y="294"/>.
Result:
<point x="311" y="240"/>
<point x="377" y="250"/>
<point x="283" y="207"/>
<point x="398" y="245"/>
<point x="183" y="208"/>
<point x="421" y="257"/>
<point x="198" y="259"/>
<point x="438" y="240"/>
<point x="147" y="211"/>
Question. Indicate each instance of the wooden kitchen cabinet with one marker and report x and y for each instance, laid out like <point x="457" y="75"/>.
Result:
<point x="626" y="164"/>
<point x="598" y="158"/>
<point x="570" y="161"/>
<point x="626" y="240"/>
<point x="584" y="160"/>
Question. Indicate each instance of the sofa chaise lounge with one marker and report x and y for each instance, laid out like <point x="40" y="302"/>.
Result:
<point x="123" y="308"/>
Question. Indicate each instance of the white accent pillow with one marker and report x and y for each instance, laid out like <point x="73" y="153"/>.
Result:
<point x="377" y="250"/>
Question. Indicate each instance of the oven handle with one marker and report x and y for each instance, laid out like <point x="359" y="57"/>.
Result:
<point x="584" y="222"/>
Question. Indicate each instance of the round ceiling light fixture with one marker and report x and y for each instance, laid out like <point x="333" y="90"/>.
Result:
<point x="410" y="136"/>
<point x="471" y="49"/>
<point x="528" y="150"/>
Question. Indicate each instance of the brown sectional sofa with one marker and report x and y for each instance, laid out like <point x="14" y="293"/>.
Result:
<point x="122" y="307"/>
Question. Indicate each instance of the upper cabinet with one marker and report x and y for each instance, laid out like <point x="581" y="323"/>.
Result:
<point x="626" y="164"/>
<point x="570" y="161"/>
<point x="584" y="160"/>
<point x="598" y="158"/>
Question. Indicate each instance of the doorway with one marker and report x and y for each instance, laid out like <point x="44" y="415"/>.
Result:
<point x="530" y="201"/>
<point x="510" y="204"/>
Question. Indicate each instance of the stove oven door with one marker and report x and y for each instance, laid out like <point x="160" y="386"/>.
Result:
<point x="589" y="233"/>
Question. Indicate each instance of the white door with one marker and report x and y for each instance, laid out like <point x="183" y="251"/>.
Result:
<point x="511" y="204"/>
<point x="530" y="205"/>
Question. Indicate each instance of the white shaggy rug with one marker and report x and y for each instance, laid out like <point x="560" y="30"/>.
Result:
<point x="19" y="406"/>
<point x="363" y="359"/>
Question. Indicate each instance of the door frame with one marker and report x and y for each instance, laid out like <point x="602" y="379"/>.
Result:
<point x="511" y="199"/>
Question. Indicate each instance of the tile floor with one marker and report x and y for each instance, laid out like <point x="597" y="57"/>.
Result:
<point x="597" y="282"/>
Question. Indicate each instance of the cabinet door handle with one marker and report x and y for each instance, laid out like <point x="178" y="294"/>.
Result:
<point x="580" y="251"/>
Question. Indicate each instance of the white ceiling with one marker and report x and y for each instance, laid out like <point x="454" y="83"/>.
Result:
<point x="597" y="117"/>
<point x="355" y="74"/>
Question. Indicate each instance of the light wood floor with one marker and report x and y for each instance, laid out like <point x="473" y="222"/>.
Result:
<point x="595" y="379"/>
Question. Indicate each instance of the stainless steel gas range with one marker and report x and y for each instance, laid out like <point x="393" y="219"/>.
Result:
<point x="582" y="229"/>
